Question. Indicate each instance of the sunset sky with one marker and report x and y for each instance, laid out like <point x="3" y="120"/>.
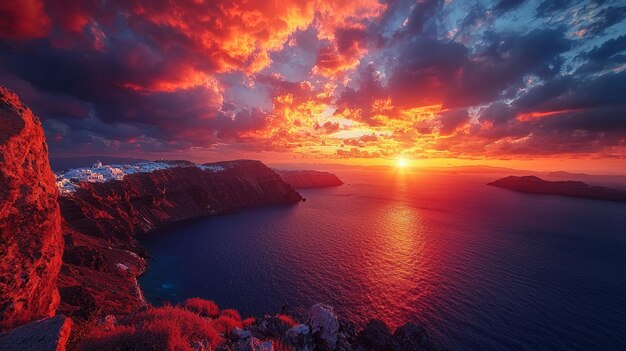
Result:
<point x="519" y="83"/>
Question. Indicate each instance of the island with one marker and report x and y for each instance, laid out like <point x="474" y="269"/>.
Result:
<point x="536" y="185"/>
<point x="309" y="179"/>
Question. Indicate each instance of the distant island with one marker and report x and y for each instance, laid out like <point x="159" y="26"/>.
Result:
<point x="536" y="185"/>
<point x="309" y="179"/>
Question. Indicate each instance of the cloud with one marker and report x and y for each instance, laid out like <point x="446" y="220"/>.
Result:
<point x="356" y="78"/>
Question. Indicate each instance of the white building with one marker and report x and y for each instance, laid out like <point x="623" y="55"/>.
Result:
<point x="98" y="173"/>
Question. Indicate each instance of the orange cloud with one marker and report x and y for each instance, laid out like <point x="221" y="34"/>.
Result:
<point x="523" y="117"/>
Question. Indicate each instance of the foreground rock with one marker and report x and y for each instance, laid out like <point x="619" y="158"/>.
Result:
<point x="49" y="334"/>
<point x="30" y="223"/>
<point x="324" y="331"/>
<point x="102" y="257"/>
<point x="324" y="325"/>
<point x="535" y="185"/>
<point x="310" y="179"/>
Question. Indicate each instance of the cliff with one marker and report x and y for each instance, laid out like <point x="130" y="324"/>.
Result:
<point x="102" y="258"/>
<point x="535" y="185"/>
<point x="310" y="179"/>
<point x="30" y="222"/>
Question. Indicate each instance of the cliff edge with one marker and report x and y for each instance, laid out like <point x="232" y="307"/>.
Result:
<point x="30" y="222"/>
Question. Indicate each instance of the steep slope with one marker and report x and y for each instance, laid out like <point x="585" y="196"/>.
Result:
<point x="103" y="219"/>
<point x="30" y="222"/>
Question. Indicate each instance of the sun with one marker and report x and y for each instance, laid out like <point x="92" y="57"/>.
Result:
<point x="402" y="162"/>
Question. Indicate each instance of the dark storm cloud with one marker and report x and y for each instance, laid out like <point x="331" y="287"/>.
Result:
<point x="507" y="5"/>
<point x="431" y="71"/>
<point x="607" y="90"/>
<point x="546" y="7"/>
<point x="611" y="54"/>
<point x="452" y="119"/>
<point x="606" y="18"/>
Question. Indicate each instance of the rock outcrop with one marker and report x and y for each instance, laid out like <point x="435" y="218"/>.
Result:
<point x="102" y="258"/>
<point x="31" y="244"/>
<point x="324" y="325"/>
<point x="310" y="179"/>
<point x="50" y="334"/>
<point x="536" y="185"/>
<point x="324" y="331"/>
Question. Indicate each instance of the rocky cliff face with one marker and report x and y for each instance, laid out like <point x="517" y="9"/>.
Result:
<point x="102" y="220"/>
<point x="310" y="179"/>
<point x="30" y="223"/>
<point x="118" y="210"/>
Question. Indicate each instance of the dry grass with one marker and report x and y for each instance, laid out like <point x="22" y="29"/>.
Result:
<point x="248" y="322"/>
<point x="163" y="328"/>
<point x="289" y="321"/>
<point x="225" y="324"/>
<point x="205" y="308"/>
<point x="231" y="313"/>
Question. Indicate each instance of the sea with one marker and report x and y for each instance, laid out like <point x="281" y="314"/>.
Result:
<point x="480" y="267"/>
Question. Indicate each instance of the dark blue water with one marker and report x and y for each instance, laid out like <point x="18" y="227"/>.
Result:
<point x="483" y="268"/>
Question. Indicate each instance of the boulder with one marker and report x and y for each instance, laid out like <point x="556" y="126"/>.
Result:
<point x="376" y="337"/>
<point x="300" y="337"/>
<point x="50" y="334"/>
<point x="240" y="334"/>
<point x="412" y="337"/>
<point x="254" y="344"/>
<point x="324" y="325"/>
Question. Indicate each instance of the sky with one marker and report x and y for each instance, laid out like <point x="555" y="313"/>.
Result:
<point x="502" y="82"/>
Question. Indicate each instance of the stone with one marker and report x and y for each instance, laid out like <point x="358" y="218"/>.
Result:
<point x="240" y="334"/>
<point x="376" y="337"/>
<point x="265" y="346"/>
<point x="324" y="325"/>
<point x="50" y="334"/>
<point x="412" y="337"/>
<point x="300" y="337"/>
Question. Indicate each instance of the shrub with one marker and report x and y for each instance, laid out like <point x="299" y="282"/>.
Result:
<point x="205" y="308"/>
<point x="231" y="313"/>
<point x="164" y="328"/>
<point x="224" y="324"/>
<point x="290" y="322"/>
<point x="248" y="322"/>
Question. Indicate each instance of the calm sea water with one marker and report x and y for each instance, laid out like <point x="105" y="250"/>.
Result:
<point x="482" y="268"/>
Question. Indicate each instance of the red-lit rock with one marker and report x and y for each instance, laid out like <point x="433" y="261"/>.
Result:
<point x="50" y="334"/>
<point x="30" y="223"/>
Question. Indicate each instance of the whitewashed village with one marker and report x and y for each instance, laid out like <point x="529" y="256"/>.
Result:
<point x="68" y="180"/>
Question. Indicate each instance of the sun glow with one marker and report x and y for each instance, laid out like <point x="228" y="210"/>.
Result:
<point x="402" y="162"/>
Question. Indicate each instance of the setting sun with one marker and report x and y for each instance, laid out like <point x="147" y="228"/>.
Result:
<point x="402" y="162"/>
